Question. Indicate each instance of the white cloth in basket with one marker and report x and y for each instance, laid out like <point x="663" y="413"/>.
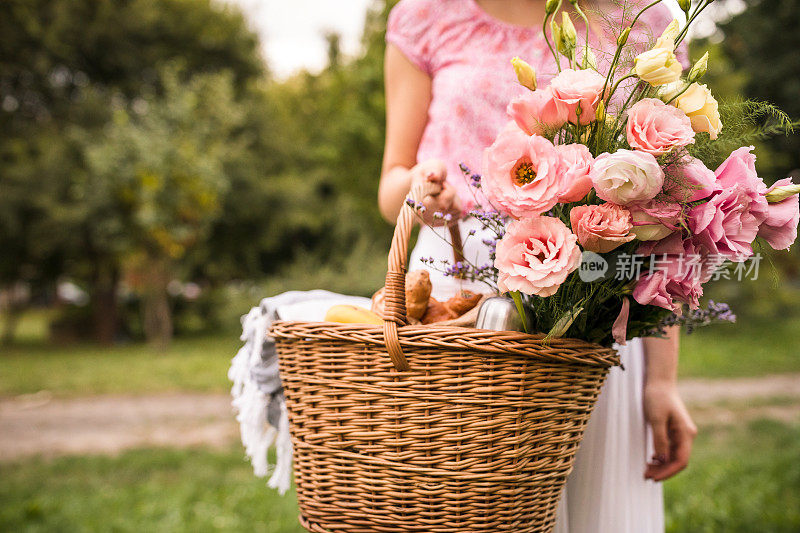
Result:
<point x="257" y="391"/>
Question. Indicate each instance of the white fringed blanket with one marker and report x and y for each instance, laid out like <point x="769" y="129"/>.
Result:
<point x="257" y="391"/>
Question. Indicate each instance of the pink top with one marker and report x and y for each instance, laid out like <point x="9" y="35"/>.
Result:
<point x="467" y="54"/>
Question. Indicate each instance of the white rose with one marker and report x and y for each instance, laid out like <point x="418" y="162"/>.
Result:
<point x="627" y="176"/>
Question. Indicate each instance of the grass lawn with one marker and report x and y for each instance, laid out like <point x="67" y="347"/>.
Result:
<point x="742" y="349"/>
<point x="200" y="364"/>
<point x="742" y="480"/>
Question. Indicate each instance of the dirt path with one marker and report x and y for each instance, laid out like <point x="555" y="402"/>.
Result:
<point x="38" y="424"/>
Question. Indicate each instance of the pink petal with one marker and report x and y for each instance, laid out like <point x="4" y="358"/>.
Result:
<point x="620" y="327"/>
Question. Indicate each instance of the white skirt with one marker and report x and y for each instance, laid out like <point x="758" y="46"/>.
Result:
<point x="606" y="491"/>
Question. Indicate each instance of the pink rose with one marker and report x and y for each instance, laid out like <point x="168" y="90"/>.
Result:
<point x="601" y="228"/>
<point x="536" y="112"/>
<point x="627" y="176"/>
<point x="576" y="167"/>
<point x="521" y="173"/>
<point x="536" y="255"/>
<point x="725" y="225"/>
<point x="779" y="229"/>
<point x="678" y="271"/>
<point x="689" y="180"/>
<point x="578" y="91"/>
<point x="657" y="128"/>
<point x="740" y="169"/>
<point x="654" y="220"/>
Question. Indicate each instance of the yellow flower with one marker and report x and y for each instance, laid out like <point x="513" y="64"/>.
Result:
<point x="525" y="73"/>
<point x="701" y="108"/>
<point x="658" y="66"/>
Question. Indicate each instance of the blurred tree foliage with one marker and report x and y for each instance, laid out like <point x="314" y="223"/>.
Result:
<point x="145" y="142"/>
<point x="755" y="55"/>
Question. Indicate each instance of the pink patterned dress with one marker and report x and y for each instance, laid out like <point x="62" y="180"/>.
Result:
<point x="467" y="54"/>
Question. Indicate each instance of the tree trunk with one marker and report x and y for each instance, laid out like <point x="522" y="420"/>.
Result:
<point x="13" y="309"/>
<point x="156" y="312"/>
<point x="105" y="311"/>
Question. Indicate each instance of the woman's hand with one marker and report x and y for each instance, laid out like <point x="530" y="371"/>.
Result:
<point x="673" y="430"/>
<point x="444" y="199"/>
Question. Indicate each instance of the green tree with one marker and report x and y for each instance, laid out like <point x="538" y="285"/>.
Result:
<point x="159" y="169"/>
<point x="64" y="65"/>
<point x="761" y="47"/>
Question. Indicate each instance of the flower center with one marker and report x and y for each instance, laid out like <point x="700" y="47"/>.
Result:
<point x="524" y="173"/>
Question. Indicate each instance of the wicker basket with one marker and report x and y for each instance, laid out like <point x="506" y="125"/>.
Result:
<point x="432" y="429"/>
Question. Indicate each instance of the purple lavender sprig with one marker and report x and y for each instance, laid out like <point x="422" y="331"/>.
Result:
<point x="465" y="270"/>
<point x="692" y="319"/>
<point x="473" y="178"/>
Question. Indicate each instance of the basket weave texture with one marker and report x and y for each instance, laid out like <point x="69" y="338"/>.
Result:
<point x="432" y="429"/>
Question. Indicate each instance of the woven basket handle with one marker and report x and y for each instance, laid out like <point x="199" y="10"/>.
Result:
<point x="394" y="314"/>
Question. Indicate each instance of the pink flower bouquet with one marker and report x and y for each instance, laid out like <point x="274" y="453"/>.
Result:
<point x="592" y="171"/>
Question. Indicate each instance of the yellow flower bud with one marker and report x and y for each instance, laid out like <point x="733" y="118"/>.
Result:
<point x="555" y="31"/>
<point x="600" y="111"/>
<point x="525" y="73"/>
<point x="778" y="194"/>
<point x="589" y="59"/>
<point x="568" y="33"/>
<point x="658" y="66"/>
<point x="667" y="39"/>
<point x="699" y="69"/>
<point x="550" y="6"/>
<point x="623" y="37"/>
<point x="685" y="5"/>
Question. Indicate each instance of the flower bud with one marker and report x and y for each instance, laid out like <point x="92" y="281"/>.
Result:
<point x="600" y="112"/>
<point x="555" y="31"/>
<point x="699" y="69"/>
<point x="778" y="194"/>
<point x="589" y="59"/>
<point x="525" y="73"/>
<point x="623" y="37"/>
<point x="550" y="6"/>
<point x="568" y="33"/>
<point x="667" y="39"/>
<point x="685" y="5"/>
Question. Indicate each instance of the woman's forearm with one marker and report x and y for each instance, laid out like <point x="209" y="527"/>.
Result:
<point x="661" y="357"/>
<point x="392" y="191"/>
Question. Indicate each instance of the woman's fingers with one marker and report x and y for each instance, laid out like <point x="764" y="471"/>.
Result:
<point x="446" y="202"/>
<point x="432" y="170"/>
<point x="681" y="436"/>
<point x="661" y="444"/>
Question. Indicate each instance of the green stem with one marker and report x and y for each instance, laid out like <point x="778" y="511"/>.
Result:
<point x="682" y="35"/>
<point x="517" y="297"/>
<point x="643" y="10"/>
<point x="586" y="23"/>
<point x="688" y="84"/>
<point x="613" y="67"/>
<point x="549" y="45"/>
<point x="616" y="85"/>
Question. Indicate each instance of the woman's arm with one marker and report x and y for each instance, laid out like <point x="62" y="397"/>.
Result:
<point x="673" y="429"/>
<point x="408" y="95"/>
